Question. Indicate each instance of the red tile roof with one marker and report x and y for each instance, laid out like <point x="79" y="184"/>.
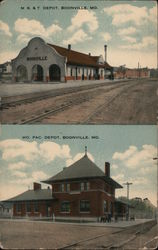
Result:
<point x="78" y="58"/>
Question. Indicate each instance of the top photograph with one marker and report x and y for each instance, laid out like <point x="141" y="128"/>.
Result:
<point x="78" y="62"/>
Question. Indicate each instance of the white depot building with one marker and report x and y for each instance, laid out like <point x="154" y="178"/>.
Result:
<point x="43" y="62"/>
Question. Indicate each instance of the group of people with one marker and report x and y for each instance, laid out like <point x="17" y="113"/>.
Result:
<point x="106" y="218"/>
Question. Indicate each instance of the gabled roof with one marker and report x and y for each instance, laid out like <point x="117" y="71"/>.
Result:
<point x="33" y="195"/>
<point x="82" y="169"/>
<point x="78" y="58"/>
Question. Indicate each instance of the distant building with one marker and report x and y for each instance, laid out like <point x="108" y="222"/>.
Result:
<point x="122" y="72"/>
<point x="81" y="191"/>
<point x="6" y="71"/>
<point x="6" y="210"/>
<point x="44" y="62"/>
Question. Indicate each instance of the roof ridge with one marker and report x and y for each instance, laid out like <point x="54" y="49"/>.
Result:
<point x="72" y="50"/>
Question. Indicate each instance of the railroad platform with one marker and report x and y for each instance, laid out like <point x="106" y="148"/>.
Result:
<point x="119" y="224"/>
<point x="16" y="89"/>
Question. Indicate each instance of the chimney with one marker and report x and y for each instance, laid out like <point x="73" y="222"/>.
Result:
<point x="89" y="54"/>
<point x="107" y="169"/>
<point x="105" y="51"/>
<point x="69" y="46"/>
<point x="36" y="186"/>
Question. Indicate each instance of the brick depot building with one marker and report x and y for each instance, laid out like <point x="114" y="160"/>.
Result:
<point x="81" y="191"/>
<point x="43" y="62"/>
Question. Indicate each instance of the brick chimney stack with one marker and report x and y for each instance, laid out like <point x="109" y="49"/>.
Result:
<point x="69" y="46"/>
<point x="107" y="169"/>
<point x="36" y="186"/>
<point x="105" y="51"/>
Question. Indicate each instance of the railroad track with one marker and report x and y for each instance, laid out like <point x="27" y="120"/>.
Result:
<point x="7" y="103"/>
<point x="78" y="100"/>
<point x="115" y="242"/>
<point x="106" y="104"/>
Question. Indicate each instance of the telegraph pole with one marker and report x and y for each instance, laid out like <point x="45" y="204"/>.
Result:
<point x="156" y="159"/>
<point x="127" y="207"/>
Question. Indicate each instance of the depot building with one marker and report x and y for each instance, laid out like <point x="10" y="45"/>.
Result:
<point x="43" y="62"/>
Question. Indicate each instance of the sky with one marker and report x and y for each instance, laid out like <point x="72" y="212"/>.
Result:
<point x="129" y="28"/>
<point x="31" y="153"/>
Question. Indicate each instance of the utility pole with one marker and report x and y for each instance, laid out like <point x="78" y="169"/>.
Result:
<point x="156" y="159"/>
<point x="127" y="207"/>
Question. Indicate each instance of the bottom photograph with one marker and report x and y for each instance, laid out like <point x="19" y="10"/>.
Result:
<point x="78" y="187"/>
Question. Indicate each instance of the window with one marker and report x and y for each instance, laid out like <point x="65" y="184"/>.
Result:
<point x="87" y="186"/>
<point x="36" y="207"/>
<point x="105" y="206"/>
<point x="84" y="206"/>
<point x="82" y="186"/>
<point x="65" y="206"/>
<point x="18" y="207"/>
<point x="62" y="188"/>
<point x="28" y="207"/>
<point x="67" y="187"/>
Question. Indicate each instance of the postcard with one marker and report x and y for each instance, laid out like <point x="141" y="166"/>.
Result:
<point x="78" y="124"/>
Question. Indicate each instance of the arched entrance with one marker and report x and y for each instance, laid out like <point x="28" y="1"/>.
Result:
<point x="21" y="74"/>
<point x="54" y="73"/>
<point x="37" y="73"/>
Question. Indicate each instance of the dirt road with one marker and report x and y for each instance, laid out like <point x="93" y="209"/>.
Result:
<point x="133" y="102"/>
<point x="48" y="235"/>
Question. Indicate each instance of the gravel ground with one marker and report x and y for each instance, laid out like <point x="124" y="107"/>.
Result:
<point x="129" y="105"/>
<point x="23" y="234"/>
<point x="33" y="235"/>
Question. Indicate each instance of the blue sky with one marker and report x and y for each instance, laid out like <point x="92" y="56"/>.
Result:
<point x="129" y="149"/>
<point x="129" y="28"/>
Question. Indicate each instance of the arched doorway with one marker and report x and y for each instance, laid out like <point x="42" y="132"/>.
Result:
<point x="37" y="73"/>
<point x="21" y="74"/>
<point x="54" y="73"/>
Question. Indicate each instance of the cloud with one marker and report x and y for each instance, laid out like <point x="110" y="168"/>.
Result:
<point x="78" y="157"/>
<point x="39" y="175"/>
<point x="84" y="17"/>
<point x="153" y="14"/>
<point x="18" y="165"/>
<point x="47" y="151"/>
<point x="120" y="55"/>
<point x="19" y="174"/>
<point x="78" y="36"/>
<point x="7" y="55"/>
<point x="50" y="150"/>
<point x="28" y="180"/>
<point x="28" y="28"/>
<point x="5" y="29"/>
<point x="14" y="148"/>
<point x="114" y="166"/>
<point x="130" y="39"/>
<point x="133" y="158"/>
<point x="128" y="31"/>
<point x="124" y="155"/>
<point x="138" y="180"/>
<point x="123" y="13"/>
<point x="24" y="38"/>
<point x="106" y="36"/>
<point x="145" y="43"/>
<point x="119" y="177"/>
